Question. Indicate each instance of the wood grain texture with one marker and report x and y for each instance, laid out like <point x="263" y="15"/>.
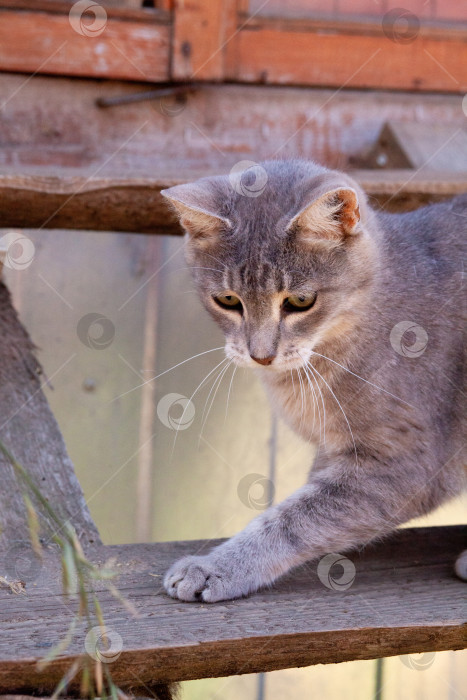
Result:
<point x="273" y="53"/>
<point x="405" y="599"/>
<point x="127" y="49"/>
<point x="218" y="41"/>
<point x="115" y="9"/>
<point x="53" y="125"/>
<point x="135" y="204"/>
<point x="200" y="33"/>
<point x="29" y="430"/>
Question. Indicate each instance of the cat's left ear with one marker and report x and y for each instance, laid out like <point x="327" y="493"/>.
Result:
<point x="195" y="203"/>
<point x="331" y="216"/>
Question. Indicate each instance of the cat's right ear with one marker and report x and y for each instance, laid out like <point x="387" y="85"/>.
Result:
<point x="196" y="209"/>
<point x="330" y="218"/>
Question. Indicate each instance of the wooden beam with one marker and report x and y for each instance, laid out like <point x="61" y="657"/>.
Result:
<point x="405" y="599"/>
<point x="135" y="204"/>
<point x="128" y="48"/>
<point x="201" y="32"/>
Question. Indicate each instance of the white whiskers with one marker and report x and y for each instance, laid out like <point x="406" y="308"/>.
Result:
<point x="192" y="396"/>
<point x="359" y="377"/>
<point x="153" y="379"/>
<point x="293" y="383"/>
<point x="339" y="404"/>
<point x="228" y="393"/>
<point x="217" y="383"/>
<point x="302" y="393"/>
<point x="316" y="404"/>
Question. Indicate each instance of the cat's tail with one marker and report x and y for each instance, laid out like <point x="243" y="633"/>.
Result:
<point x="460" y="567"/>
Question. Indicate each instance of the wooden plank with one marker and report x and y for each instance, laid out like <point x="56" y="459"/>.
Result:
<point x="131" y="10"/>
<point x="200" y="33"/>
<point x="135" y="204"/>
<point x="127" y="49"/>
<point x="46" y="123"/>
<point x="405" y="599"/>
<point x="431" y="147"/>
<point x="24" y="412"/>
<point x="436" y="10"/>
<point x="271" y="52"/>
<point x="341" y="23"/>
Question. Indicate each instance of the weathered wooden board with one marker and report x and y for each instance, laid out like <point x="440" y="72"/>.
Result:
<point x="439" y="10"/>
<point x="127" y="48"/>
<point x="29" y="430"/>
<point x="267" y="51"/>
<point x="404" y="599"/>
<point x="135" y="204"/>
<point x="200" y="34"/>
<point x="53" y="124"/>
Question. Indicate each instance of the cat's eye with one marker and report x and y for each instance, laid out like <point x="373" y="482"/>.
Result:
<point x="229" y="301"/>
<point x="299" y="302"/>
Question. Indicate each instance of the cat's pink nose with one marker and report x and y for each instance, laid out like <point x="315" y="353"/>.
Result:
<point x="263" y="360"/>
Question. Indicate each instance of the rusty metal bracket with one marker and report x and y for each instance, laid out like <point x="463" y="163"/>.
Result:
<point x="178" y="91"/>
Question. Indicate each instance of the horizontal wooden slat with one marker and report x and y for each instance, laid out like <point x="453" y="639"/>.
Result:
<point x="404" y="599"/>
<point x="342" y="24"/>
<point x="114" y="9"/>
<point x="271" y="52"/>
<point x="135" y="204"/>
<point x="127" y="49"/>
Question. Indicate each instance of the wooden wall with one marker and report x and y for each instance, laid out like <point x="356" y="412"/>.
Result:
<point x="230" y="40"/>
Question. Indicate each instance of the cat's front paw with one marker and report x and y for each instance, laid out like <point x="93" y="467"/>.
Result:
<point x="202" y="578"/>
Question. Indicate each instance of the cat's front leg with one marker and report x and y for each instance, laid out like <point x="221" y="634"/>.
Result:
<point x="339" y="509"/>
<point x="253" y="558"/>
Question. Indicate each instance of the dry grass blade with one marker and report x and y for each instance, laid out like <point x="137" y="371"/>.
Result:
<point x="78" y="575"/>
<point x="16" y="587"/>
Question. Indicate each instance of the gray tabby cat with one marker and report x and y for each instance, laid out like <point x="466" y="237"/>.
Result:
<point x="354" y="320"/>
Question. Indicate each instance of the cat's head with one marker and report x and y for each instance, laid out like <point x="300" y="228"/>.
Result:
<point x="281" y="255"/>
